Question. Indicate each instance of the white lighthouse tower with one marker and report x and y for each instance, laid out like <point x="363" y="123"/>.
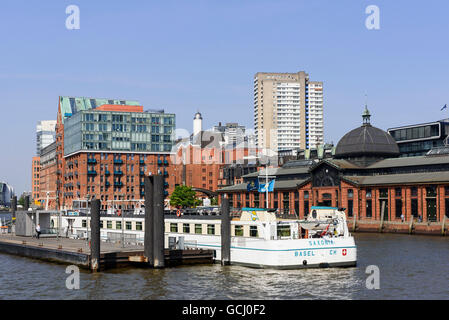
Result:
<point x="197" y="123"/>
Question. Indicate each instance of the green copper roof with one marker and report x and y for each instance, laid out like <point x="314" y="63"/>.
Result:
<point x="72" y="105"/>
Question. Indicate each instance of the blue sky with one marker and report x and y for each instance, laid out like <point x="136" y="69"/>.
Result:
<point x="185" y="56"/>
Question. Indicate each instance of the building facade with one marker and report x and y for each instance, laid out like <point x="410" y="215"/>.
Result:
<point x="6" y="194"/>
<point x="45" y="134"/>
<point x="104" y="148"/>
<point x="200" y="158"/>
<point x="35" y="182"/>
<point x="288" y="111"/>
<point x="366" y="176"/>
<point x="47" y="178"/>
<point x="418" y="139"/>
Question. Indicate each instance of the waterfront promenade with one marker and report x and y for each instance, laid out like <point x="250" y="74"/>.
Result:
<point x="405" y="227"/>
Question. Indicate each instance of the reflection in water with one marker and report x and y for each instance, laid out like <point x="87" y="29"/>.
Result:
<point x="411" y="267"/>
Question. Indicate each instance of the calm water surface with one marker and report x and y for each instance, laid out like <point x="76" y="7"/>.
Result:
<point x="411" y="267"/>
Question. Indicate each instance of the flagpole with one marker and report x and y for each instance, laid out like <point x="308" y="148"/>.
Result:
<point x="266" y="182"/>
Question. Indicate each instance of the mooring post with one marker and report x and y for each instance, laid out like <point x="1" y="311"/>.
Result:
<point x="95" y="235"/>
<point x="159" y="227"/>
<point x="443" y="224"/>
<point x="382" y="217"/>
<point x="225" y="233"/>
<point x="149" y="221"/>
<point x="410" y="226"/>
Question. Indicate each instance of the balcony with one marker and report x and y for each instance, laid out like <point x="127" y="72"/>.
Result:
<point x="118" y="173"/>
<point x="91" y="161"/>
<point x="118" y="161"/>
<point x="141" y="161"/>
<point x="118" y="184"/>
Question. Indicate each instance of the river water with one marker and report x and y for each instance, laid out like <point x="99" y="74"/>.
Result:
<point x="410" y="267"/>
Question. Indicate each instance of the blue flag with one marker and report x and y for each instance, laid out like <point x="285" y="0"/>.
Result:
<point x="262" y="187"/>
<point x="445" y="106"/>
<point x="253" y="185"/>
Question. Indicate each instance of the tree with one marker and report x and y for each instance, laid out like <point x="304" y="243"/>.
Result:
<point x="185" y="197"/>
<point x="214" y="201"/>
<point x="21" y="201"/>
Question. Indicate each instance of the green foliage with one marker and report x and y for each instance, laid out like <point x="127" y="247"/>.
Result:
<point x="185" y="197"/>
<point x="21" y="201"/>
<point x="214" y="201"/>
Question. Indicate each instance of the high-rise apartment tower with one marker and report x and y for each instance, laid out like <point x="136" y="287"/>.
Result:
<point x="288" y="111"/>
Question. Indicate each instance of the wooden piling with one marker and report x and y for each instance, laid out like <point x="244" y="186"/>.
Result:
<point x="382" y="217"/>
<point x="225" y="233"/>
<point x="158" y="220"/>
<point x="95" y="235"/>
<point x="410" y="226"/>
<point x="443" y="225"/>
<point x="149" y="221"/>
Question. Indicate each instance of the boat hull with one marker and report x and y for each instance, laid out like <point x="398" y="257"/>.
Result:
<point x="282" y="254"/>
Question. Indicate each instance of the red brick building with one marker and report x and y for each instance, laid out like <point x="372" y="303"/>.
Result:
<point x="35" y="172"/>
<point x="365" y="176"/>
<point x="201" y="158"/>
<point x="104" y="148"/>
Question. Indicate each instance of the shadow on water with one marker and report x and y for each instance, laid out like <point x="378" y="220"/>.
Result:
<point x="411" y="267"/>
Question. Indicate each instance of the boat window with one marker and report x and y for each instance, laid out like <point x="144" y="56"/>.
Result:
<point x="210" y="229"/>
<point x="283" y="230"/>
<point x="139" y="225"/>
<point x="101" y="224"/>
<point x="128" y="225"/>
<point x="186" y="228"/>
<point x="173" y="227"/>
<point x="84" y="223"/>
<point x="118" y="225"/>
<point x="253" y="232"/>
<point x="238" y="231"/>
<point x="198" y="229"/>
<point x="109" y="224"/>
<point x="314" y="214"/>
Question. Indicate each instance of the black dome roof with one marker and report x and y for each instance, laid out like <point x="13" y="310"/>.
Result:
<point x="367" y="141"/>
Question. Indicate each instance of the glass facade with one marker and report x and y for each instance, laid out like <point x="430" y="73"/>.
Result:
<point x="419" y="139"/>
<point x="95" y="130"/>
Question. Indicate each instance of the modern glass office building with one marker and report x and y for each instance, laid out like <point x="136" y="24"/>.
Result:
<point x="418" y="139"/>
<point x="137" y="132"/>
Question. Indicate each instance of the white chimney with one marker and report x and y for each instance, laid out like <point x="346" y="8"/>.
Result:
<point x="197" y="123"/>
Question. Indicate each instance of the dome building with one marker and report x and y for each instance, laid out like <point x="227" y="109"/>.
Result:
<point x="378" y="189"/>
<point x="366" y="145"/>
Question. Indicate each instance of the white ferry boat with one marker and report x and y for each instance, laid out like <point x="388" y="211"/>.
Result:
<point x="258" y="237"/>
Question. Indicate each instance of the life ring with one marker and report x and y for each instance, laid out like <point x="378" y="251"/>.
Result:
<point x="178" y="213"/>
